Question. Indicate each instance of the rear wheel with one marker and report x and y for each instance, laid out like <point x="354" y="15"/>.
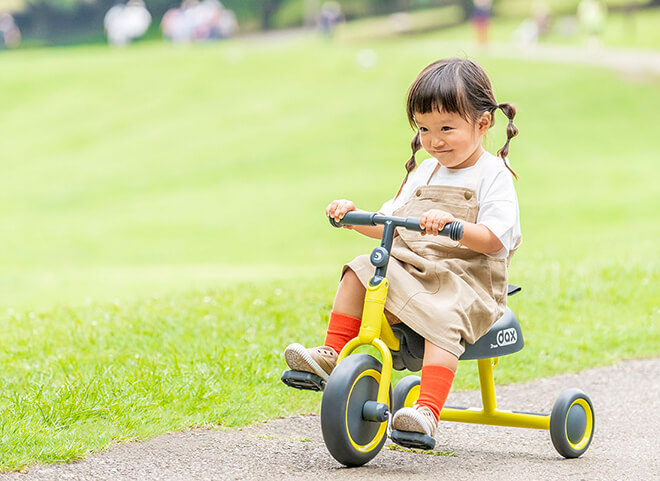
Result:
<point x="572" y="423"/>
<point x="405" y="393"/>
<point x="350" y="439"/>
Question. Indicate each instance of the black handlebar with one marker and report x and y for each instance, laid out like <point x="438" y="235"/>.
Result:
<point x="453" y="230"/>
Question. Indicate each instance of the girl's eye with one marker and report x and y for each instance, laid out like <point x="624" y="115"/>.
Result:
<point x="423" y="129"/>
<point x="446" y="129"/>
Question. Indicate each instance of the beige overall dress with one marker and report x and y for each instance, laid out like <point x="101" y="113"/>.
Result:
<point x="444" y="291"/>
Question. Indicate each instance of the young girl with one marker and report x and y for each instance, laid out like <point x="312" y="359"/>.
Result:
<point x="448" y="292"/>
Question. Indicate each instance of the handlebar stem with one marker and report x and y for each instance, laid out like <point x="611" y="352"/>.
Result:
<point x="386" y="243"/>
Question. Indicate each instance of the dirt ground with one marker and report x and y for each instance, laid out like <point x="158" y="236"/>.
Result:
<point x="626" y="445"/>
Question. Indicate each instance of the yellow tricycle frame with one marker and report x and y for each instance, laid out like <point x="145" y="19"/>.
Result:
<point x="376" y="331"/>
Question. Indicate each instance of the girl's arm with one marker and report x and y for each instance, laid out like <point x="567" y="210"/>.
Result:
<point x="476" y="237"/>
<point x="374" y="231"/>
<point x="479" y="238"/>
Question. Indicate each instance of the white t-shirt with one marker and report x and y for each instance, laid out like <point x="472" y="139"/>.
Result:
<point x="496" y="194"/>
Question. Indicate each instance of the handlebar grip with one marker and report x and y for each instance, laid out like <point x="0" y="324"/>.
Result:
<point x="355" y="218"/>
<point x="453" y="230"/>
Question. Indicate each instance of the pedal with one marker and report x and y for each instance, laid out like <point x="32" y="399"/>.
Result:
<point x="303" y="380"/>
<point x="412" y="440"/>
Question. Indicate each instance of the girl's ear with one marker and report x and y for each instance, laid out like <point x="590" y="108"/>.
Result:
<point x="484" y="122"/>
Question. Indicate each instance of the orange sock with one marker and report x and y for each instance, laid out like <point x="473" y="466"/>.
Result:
<point x="435" y="386"/>
<point x="341" y="329"/>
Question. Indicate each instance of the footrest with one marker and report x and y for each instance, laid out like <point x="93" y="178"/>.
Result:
<point x="303" y="380"/>
<point x="412" y="440"/>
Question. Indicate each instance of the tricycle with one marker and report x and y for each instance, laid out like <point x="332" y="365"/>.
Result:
<point x="358" y="402"/>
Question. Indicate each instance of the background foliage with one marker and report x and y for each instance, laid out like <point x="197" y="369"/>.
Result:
<point x="45" y="22"/>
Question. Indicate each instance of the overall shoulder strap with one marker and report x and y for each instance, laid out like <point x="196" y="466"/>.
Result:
<point x="437" y="167"/>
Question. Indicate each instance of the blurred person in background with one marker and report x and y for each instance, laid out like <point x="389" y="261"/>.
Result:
<point x="527" y="34"/>
<point x="112" y="24"/>
<point x="198" y="21"/>
<point x="483" y="10"/>
<point x="592" y="15"/>
<point x="125" y="23"/>
<point x="176" y="26"/>
<point x="329" y="17"/>
<point x="542" y="17"/>
<point x="10" y="35"/>
<point x="227" y="23"/>
<point x="531" y="29"/>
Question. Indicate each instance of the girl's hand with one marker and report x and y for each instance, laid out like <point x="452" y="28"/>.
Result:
<point x="434" y="220"/>
<point x="338" y="208"/>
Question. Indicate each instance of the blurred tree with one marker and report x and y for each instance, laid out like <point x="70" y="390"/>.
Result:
<point x="43" y="12"/>
<point x="268" y="10"/>
<point x="265" y="10"/>
<point x="467" y="6"/>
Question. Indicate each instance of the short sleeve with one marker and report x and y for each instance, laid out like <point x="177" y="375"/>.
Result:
<point x="387" y="208"/>
<point x="498" y="210"/>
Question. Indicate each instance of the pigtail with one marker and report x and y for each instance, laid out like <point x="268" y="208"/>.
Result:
<point x="511" y="131"/>
<point x="411" y="164"/>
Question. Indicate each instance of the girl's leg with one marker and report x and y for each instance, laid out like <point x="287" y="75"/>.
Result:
<point x="345" y="318"/>
<point x="438" y="369"/>
<point x="349" y="299"/>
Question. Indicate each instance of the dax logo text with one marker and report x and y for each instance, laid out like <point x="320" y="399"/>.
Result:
<point x="506" y="337"/>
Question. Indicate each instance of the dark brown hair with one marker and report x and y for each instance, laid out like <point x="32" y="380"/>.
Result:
<point x="458" y="86"/>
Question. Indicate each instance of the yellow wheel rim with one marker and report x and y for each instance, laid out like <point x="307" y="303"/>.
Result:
<point x="588" y="430"/>
<point x="365" y="448"/>
<point x="411" y="397"/>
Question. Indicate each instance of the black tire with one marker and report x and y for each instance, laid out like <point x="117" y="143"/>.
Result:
<point x="405" y="392"/>
<point x="350" y="439"/>
<point x="572" y="423"/>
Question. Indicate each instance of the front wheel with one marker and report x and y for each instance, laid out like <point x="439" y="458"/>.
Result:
<point x="350" y="439"/>
<point x="572" y="423"/>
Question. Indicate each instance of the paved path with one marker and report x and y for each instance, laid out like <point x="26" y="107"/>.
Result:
<point x="632" y="62"/>
<point x="626" y="445"/>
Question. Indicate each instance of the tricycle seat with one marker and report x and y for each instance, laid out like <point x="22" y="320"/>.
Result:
<point x="503" y="338"/>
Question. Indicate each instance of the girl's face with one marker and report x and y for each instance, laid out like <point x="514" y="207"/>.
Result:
<point x="452" y="140"/>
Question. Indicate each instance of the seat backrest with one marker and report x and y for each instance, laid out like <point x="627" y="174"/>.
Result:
<point x="503" y="338"/>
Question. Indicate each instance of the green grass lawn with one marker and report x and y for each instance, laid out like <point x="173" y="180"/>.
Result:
<point x="163" y="235"/>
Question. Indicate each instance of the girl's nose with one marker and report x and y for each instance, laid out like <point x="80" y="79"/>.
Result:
<point x="437" y="142"/>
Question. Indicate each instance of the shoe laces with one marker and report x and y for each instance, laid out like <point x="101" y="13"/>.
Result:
<point x="327" y="351"/>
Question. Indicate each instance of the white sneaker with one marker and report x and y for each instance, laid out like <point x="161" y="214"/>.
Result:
<point x="317" y="360"/>
<point x="416" y="419"/>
